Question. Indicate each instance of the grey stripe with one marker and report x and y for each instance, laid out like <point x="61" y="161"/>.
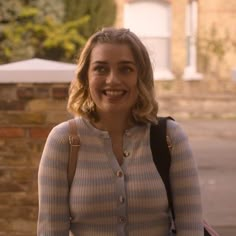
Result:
<point x="60" y="141"/>
<point x="184" y="173"/>
<point x="190" y="226"/>
<point x="107" y="180"/>
<point x="188" y="208"/>
<point x="99" y="198"/>
<point x="100" y="214"/>
<point x="145" y="176"/>
<point x="148" y="224"/>
<point x="182" y="154"/>
<point x="101" y="227"/>
<point x="187" y="191"/>
<point x="53" y="200"/>
<point x="55" y="163"/>
<point x="54" y="216"/>
<point x="53" y="232"/>
<point x="55" y="182"/>
<point x="91" y="148"/>
<point x="93" y="164"/>
<point x="148" y="194"/>
<point x="147" y="211"/>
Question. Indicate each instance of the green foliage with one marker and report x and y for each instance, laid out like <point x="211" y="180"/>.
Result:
<point x="102" y="13"/>
<point x="27" y="34"/>
<point x="54" y="29"/>
<point x="213" y="47"/>
<point x="49" y="40"/>
<point x="9" y="10"/>
<point x="27" y="13"/>
<point x="62" y="40"/>
<point x="53" y="9"/>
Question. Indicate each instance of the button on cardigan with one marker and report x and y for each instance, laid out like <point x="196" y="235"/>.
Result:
<point x="107" y="199"/>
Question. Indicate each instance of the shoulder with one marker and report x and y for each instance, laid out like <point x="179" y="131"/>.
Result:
<point x="59" y="133"/>
<point x="60" y="129"/>
<point x="175" y="131"/>
<point x="172" y="125"/>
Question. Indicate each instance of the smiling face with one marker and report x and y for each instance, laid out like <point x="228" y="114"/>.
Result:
<point x="112" y="78"/>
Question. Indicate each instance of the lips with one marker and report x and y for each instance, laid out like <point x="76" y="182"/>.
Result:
<point x="114" y="93"/>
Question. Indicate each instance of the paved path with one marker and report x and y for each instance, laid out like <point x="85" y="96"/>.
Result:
<point x="214" y="146"/>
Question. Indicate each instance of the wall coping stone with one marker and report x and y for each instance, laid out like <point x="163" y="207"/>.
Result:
<point x="37" y="71"/>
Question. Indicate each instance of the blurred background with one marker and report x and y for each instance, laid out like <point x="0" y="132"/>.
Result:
<point x="192" y="45"/>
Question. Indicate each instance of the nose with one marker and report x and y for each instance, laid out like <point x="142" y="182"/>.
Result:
<point x="112" y="78"/>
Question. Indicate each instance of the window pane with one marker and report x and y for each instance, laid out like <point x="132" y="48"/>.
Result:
<point x="158" y="49"/>
<point x="148" y="18"/>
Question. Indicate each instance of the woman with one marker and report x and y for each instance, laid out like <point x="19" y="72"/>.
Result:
<point x="116" y="189"/>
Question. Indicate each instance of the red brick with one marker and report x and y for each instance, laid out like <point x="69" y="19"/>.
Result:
<point x="42" y="92"/>
<point x="21" y="118"/>
<point x="12" y="105"/>
<point x="60" y="93"/>
<point x="39" y="132"/>
<point x="25" y="92"/>
<point x="11" y="132"/>
<point x="11" y="187"/>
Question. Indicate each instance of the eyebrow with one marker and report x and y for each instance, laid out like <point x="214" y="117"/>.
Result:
<point x="99" y="62"/>
<point x="127" y="62"/>
<point x="120" y="62"/>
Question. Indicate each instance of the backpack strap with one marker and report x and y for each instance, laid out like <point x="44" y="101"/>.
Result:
<point x="74" y="142"/>
<point x="160" y="146"/>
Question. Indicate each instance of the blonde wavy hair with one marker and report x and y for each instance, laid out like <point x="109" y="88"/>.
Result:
<point x="80" y="102"/>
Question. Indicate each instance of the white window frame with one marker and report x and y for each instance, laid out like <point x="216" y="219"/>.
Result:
<point x="191" y="20"/>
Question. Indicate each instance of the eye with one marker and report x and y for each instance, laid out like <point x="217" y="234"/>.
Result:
<point x="100" y="69"/>
<point x="126" y="69"/>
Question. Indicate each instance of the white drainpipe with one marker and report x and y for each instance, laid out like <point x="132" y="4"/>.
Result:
<point x="190" y="72"/>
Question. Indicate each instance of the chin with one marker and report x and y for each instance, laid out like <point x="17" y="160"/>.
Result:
<point x="116" y="109"/>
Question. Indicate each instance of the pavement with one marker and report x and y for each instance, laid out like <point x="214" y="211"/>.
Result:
<point x="214" y="147"/>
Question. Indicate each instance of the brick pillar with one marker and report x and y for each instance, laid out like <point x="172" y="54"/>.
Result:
<point x="27" y="114"/>
<point x="178" y="46"/>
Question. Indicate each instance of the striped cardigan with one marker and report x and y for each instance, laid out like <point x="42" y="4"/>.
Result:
<point x="107" y="199"/>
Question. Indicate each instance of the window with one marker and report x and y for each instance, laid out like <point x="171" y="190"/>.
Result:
<point x="150" y="20"/>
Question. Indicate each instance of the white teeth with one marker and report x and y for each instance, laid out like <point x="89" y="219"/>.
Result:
<point x="114" y="93"/>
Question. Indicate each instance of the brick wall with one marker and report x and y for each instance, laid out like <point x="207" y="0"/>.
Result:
<point x="27" y="114"/>
<point x="178" y="47"/>
<point x="220" y="15"/>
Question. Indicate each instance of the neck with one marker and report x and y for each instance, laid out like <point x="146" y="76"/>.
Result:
<point x="114" y="124"/>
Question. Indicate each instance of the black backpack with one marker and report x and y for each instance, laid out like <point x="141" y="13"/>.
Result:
<point x="158" y="138"/>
